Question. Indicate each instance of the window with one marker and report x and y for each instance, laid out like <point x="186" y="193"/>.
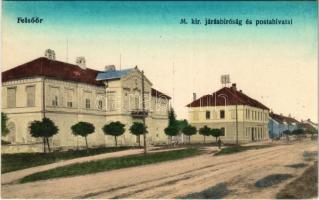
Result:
<point x="54" y="92"/>
<point x="87" y="103"/>
<point x="222" y="114"/>
<point x="30" y="96"/>
<point x="110" y="102"/>
<point x="207" y="114"/>
<point x="11" y="97"/>
<point x="137" y="102"/>
<point x="223" y="131"/>
<point x="69" y="98"/>
<point x="55" y="101"/>
<point x="100" y="104"/>
<point x="69" y="104"/>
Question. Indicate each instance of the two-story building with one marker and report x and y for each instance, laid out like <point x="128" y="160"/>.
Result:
<point x="68" y="93"/>
<point x="241" y="117"/>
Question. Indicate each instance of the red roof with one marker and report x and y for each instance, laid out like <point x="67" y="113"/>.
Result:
<point x="232" y="97"/>
<point x="53" y="69"/>
<point x="156" y="93"/>
<point x="45" y="67"/>
<point x="282" y="119"/>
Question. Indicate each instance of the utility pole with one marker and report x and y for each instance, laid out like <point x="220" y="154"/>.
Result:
<point x="236" y="123"/>
<point x="143" y="112"/>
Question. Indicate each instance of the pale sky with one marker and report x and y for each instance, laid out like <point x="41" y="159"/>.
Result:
<point x="275" y="64"/>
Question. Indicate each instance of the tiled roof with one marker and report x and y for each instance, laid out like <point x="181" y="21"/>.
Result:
<point x="282" y="118"/>
<point x="232" y="97"/>
<point x="45" y="67"/>
<point x="109" y="75"/>
<point x="306" y="126"/>
<point x="156" y="93"/>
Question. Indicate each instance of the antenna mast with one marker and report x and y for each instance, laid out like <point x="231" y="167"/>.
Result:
<point x="120" y="61"/>
<point x="173" y="84"/>
<point x="67" y="50"/>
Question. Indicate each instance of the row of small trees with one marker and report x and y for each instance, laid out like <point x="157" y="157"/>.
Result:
<point x="175" y="127"/>
<point x="297" y="132"/>
<point x="46" y="129"/>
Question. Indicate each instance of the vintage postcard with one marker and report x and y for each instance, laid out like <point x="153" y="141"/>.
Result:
<point x="159" y="99"/>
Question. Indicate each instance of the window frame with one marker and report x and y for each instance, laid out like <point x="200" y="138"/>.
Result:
<point x="222" y="114"/>
<point x="12" y="104"/>
<point x="207" y="114"/>
<point x="33" y="96"/>
<point x="87" y="103"/>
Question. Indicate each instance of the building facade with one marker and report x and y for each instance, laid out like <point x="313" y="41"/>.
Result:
<point x="69" y="93"/>
<point x="239" y="116"/>
<point x="279" y="123"/>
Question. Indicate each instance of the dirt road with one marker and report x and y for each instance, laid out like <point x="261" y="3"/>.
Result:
<point x="237" y="173"/>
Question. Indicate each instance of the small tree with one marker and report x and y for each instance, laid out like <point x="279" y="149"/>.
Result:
<point x="180" y="125"/>
<point x="83" y="129"/>
<point x="215" y="132"/>
<point x="173" y="128"/>
<point x="45" y="129"/>
<point x="298" y="131"/>
<point x="287" y="133"/>
<point x="115" y="129"/>
<point x="205" y="131"/>
<point x="138" y="129"/>
<point x="171" y="131"/>
<point x="4" y="127"/>
<point x="189" y="130"/>
<point x="171" y="117"/>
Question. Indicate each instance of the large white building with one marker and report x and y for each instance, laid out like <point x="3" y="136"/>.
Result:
<point x="240" y="117"/>
<point x="68" y="93"/>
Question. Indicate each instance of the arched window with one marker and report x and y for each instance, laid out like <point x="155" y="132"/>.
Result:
<point x="12" y="132"/>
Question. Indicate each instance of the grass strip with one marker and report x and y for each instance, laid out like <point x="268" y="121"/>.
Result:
<point x="237" y="149"/>
<point x="13" y="162"/>
<point x="111" y="164"/>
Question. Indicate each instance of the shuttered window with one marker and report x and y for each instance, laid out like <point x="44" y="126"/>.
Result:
<point x="69" y="98"/>
<point x="30" y="96"/>
<point x="11" y="97"/>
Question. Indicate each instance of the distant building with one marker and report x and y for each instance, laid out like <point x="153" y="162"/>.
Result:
<point x="68" y="93"/>
<point x="279" y="123"/>
<point x="308" y="126"/>
<point x="229" y="109"/>
<point x="311" y="123"/>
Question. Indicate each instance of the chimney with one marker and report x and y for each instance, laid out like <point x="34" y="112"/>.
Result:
<point x="194" y="96"/>
<point x="80" y="61"/>
<point x="50" y="54"/>
<point x="233" y="86"/>
<point x="109" y="68"/>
